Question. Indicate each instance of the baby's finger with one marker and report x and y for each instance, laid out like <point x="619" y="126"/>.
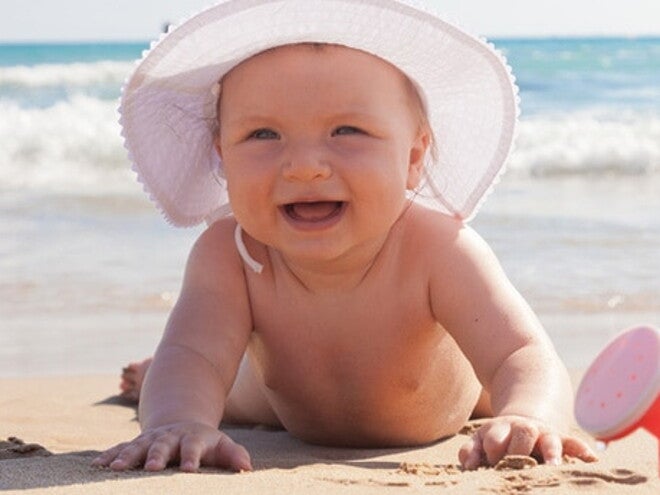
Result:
<point x="550" y="448"/>
<point x="105" y="458"/>
<point x="470" y="453"/>
<point x="161" y="452"/>
<point x="191" y="454"/>
<point x="574" y="447"/>
<point x="131" y="456"/>
<point x="523" y="439"/>
<point x="228" y="454"/>
<point x="496" y="440"/>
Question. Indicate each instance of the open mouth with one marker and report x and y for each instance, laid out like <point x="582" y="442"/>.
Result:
<point x="314" y="212"/>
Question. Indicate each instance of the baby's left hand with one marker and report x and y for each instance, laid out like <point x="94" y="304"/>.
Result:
<point x="518" y="435"/>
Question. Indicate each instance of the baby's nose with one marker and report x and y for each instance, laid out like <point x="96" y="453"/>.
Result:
<point x="306" y="162"/>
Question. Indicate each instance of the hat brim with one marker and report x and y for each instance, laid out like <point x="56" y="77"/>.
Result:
<point x="168" y="107"/>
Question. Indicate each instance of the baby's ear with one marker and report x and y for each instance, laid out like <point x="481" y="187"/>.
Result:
<point x="417" y="158"/>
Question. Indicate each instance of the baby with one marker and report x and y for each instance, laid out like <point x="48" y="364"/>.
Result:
<point x="330" y="302"/>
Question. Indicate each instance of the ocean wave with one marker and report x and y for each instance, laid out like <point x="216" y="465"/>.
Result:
<point x="587" y="143"/>
<point x="68" y="75"/>
<point x="74" y="146"/>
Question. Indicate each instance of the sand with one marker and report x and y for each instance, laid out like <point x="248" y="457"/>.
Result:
<point x="63" y="422"/>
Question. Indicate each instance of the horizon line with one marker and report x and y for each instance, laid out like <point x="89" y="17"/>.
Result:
<point x="506" y="37"/>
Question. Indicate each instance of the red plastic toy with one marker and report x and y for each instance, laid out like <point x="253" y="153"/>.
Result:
<point x="620" y="391"/>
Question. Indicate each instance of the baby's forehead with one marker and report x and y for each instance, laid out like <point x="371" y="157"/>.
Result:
<point x="340" y="54"/>
<point x="339" y="70"/>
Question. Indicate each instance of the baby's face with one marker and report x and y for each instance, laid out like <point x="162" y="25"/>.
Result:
<point x="319" y="144"/>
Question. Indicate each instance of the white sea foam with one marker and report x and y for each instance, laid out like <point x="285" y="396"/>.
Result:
<point x="70" y="75"/>
<point x="588" y="143"/>
<point x="71" y="147"/>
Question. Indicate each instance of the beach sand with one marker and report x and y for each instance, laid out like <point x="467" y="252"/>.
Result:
<point x="73" y="418"/>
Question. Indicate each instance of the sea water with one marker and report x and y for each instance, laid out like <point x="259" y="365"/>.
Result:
<point x="89" y="269"/>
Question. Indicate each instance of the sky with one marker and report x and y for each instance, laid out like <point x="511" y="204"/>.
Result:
<point x="84" y="20"/>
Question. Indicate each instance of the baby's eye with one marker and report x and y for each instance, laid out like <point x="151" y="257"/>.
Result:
<point x="264" y="134"/>
<point x="347" y="130"/>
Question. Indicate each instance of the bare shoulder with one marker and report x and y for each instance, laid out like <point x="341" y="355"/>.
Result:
<point x="464" y="272"/>
<point x="442" y="241"/>
<point x="214" y="258"/>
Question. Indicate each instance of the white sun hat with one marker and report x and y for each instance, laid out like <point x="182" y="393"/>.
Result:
<point x="168" y="105"/>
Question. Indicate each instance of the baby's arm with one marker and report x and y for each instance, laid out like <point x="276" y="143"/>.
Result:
<point x="183" y="397"/>
<point x="531" y="394"/>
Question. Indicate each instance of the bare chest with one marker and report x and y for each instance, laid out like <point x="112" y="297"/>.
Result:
<point x="353" y="363"/>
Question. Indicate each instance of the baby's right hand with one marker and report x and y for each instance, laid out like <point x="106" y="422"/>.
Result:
<point x="193" y="444"/>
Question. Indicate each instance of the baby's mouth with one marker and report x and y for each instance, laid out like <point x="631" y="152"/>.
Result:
<point x="313" y="211"/>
